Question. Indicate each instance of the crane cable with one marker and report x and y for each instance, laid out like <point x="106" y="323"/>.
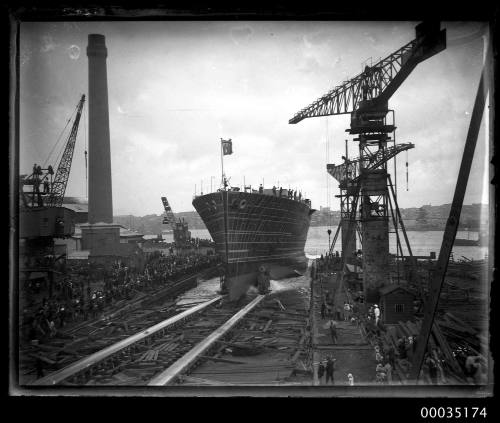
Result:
<point x="406" y="164"/>
<point x="327" y="158"/>
<point x="85" y="151"/>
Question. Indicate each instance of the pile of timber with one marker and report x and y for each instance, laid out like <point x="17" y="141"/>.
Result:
<point x="449" y="334"/>
<point x="89" y="337"/>
<point x="269" y="346"/>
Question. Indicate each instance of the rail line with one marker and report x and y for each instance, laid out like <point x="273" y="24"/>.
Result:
<point x="181" y="365"/>
<point x="125" y="319"/>
<point x="167" y="352"/>
<point x="110" y="359"/>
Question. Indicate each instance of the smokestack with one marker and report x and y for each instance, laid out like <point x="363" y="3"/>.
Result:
<point x="100" y="192"/>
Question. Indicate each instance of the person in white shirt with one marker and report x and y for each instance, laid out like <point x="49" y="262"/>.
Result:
<point x="376" y="312"/>
<point x="351" y="379"/>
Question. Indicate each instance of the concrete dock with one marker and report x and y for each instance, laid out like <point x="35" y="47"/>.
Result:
<point x="351" y="351"/>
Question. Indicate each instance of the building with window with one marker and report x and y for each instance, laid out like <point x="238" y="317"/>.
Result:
<point x="396" y="304"/>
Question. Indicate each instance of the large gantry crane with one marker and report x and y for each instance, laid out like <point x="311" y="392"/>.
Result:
<point x="365" y="98"/>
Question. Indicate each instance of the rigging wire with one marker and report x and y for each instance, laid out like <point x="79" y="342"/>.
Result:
<point x="326" y="175"/>
<point x="85" y="151"/>
<point x="406" y="170"/>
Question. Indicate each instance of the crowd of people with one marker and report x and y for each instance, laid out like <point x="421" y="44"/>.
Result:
<point x="283" y="192"/>
<point x="75" y="298"/>
<point x="387" y="357"/>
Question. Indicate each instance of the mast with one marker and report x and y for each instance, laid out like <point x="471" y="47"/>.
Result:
<point x="224" y="193"/>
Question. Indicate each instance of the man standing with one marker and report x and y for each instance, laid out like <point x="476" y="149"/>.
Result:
<point x="347" y="311"/>
<point x="350" y="377"/>
<point x="321" y="371"/>
<point x="323" y="310"/>
<point x="329" y="369"/>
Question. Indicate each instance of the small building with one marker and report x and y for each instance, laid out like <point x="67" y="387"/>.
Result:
<point x="80" y="208"/>
<point x="396" y="303"/>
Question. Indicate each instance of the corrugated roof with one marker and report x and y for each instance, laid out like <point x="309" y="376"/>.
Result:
<point x="79" y="208"/>
<point x="393" y="287"/>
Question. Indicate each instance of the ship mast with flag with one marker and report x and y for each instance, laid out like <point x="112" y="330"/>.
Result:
<point x="226" y="148"/>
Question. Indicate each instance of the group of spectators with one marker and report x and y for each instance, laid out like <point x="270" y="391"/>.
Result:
<point x="387" y="357"/>
<point x="283" y="192"/>
<point x="74" y="299"/>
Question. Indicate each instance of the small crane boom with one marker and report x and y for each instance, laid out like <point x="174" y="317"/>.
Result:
<point x="376" y="160"/>
<point x="182" y="235"/>
<point x="60" y="182"/>
<point x="169" y="218"/>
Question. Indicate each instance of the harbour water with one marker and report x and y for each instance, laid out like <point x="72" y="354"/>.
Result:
<point x="422" y="243"/>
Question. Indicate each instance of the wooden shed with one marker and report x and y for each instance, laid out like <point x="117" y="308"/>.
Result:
<point x="396" y="303"/>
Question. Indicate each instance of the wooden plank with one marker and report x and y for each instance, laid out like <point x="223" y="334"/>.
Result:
<point x="202" y="381"/>
<point x="296" y="356"/>
<point x="222" y="360"/>
<point x="446" y="349"/>
<point x="44" y="359"/>
<point x="267" y="325"/>
<point x="466" y="327"/>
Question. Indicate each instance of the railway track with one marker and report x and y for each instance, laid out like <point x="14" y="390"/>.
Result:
<point x="112" y="327"/>
<point x="101" y="366"/>
<point x="135" y="360"/>
<point x="210" y="332"/>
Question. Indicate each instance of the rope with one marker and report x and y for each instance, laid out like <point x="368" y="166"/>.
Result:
<point x="327" y="159"/>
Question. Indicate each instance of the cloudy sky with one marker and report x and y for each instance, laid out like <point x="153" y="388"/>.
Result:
<point x="176" y="88"/>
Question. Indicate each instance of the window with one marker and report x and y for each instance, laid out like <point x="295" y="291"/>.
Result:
<point x="399" y="308"/>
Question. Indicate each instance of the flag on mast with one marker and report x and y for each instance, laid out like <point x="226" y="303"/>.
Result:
<point x="227" y="147"/>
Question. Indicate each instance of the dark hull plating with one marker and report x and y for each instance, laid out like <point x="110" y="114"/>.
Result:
<point x="263" y="230"/>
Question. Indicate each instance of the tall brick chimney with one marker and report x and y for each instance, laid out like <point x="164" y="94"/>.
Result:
<point x="100" y="189"/>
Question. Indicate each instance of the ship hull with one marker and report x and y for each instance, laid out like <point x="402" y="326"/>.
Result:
<point x="263" y="232"/>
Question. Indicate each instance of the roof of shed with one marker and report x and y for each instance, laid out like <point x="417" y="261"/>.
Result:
<point x="393" y="287"/>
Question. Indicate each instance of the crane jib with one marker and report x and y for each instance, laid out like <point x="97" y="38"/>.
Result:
<point x="60" y="182"/>
<point x="380" y="81"/>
